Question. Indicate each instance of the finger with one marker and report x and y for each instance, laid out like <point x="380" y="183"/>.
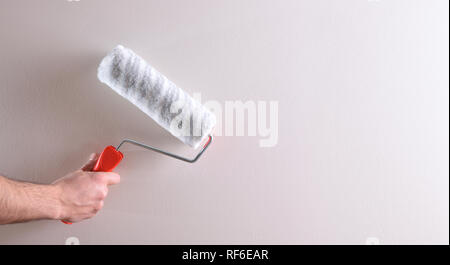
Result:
<point x="91" y="163"/>
<point x="112" y="178"/>
<point x="108" y="178"/>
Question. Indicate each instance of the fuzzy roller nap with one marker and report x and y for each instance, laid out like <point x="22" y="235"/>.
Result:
<point x="172" y="108"/>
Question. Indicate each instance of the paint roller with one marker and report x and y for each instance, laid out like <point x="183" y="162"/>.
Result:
<point x="171" y="107"/>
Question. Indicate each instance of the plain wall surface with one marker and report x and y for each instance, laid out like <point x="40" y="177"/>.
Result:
<point x="363" y="126"/>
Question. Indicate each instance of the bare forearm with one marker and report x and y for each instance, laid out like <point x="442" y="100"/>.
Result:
<point x="77" y="196"/>
<point x="21" y="201"/>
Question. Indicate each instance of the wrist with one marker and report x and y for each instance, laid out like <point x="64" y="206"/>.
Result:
<point x="56" y="210"/>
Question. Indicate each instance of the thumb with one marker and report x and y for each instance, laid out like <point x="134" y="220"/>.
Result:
<point x="91" y="163"/>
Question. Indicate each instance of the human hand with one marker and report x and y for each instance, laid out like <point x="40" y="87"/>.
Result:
<point x="82" y="193"/>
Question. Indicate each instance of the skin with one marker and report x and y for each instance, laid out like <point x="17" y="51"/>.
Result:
<point x="77" y="196"/>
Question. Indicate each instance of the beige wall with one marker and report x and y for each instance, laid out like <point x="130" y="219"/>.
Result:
<point x="362" y="88"/>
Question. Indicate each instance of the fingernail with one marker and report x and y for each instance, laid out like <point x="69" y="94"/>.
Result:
<point x="92" y="156"/>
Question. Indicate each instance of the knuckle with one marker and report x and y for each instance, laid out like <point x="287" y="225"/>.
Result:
<point x="104" y="192"/>
<point x="98" y="206"/>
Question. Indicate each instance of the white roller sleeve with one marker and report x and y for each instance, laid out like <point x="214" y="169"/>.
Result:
<point x="172" y="108"/>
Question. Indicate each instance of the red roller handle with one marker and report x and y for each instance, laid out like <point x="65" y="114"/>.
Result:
<point x="108" y="160"/>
